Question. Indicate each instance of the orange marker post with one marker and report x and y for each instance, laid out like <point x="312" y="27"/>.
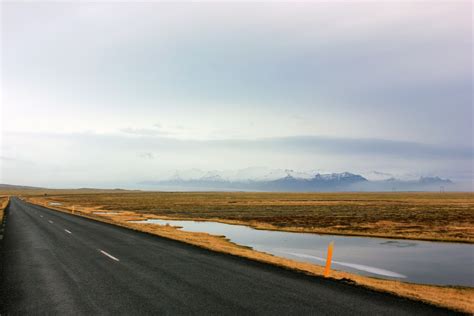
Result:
<point x="328" y="259"/>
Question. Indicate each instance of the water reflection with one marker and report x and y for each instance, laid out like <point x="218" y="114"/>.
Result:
<point x="408" y="260"/>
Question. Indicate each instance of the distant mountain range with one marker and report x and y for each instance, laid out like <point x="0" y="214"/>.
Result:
<point x="4" y="186"/>
<point x="293" y="181"/>
<point x="276" y="180"/>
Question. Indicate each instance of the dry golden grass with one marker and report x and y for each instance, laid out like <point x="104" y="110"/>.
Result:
<point x="424" y="216"/>
<point x="456" y="298"/>
<point x="3" y="204"/>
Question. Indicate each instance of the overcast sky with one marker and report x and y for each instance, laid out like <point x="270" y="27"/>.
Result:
<point x="111" y="94"/>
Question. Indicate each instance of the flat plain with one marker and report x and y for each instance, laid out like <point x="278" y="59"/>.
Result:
<point x="424" y="216"/>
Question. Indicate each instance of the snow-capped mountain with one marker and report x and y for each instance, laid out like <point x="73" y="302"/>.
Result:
<point x="434" y="180"/>
<point x="378" y="175"/>
<point x="344" y="176"/>
<point x="266" y="179"/>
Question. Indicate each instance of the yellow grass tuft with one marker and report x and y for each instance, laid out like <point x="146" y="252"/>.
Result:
<point x="3" y="204"/>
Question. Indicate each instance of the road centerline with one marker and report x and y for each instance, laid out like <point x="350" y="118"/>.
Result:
<point x="50" y="221"/>
<point x="108" y="255"/>
<point x="67" y="231"/>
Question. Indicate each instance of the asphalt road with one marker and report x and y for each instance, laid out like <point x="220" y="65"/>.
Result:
<point x="56" y="263"/>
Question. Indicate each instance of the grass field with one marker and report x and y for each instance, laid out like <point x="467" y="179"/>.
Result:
<point x="427" y="216"/>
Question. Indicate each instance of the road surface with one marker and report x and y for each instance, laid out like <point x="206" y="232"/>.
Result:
<point x="56" y="263"/>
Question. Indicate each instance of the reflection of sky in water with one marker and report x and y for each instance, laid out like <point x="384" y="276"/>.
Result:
<point x="414" y="261"/>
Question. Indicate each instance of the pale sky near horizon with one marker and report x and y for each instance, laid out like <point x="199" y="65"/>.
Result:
<point x="114" y="93"/>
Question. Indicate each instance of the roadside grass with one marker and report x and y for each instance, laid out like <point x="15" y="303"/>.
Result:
<point x="140" y="206"/>
<point x="3" y="204"/>
<point x="424" y="216"/>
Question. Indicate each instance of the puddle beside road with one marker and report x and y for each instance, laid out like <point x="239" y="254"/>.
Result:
<point x="408" y="260"/>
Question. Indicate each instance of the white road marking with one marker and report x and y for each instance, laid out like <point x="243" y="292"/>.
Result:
<point x="50" y="221"/>
<point x="108" y="255"/>
<point x="67" y="231"/>
<point x="41" y="215"/>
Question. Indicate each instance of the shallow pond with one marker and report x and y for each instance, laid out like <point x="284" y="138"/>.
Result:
<point x="406" y="260"/>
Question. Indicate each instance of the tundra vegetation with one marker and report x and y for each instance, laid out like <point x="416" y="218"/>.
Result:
<point x="424" y="216"/>
<point x="431" y="216"/>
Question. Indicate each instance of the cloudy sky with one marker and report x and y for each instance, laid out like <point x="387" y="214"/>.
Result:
<point x="111" y="94"/>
